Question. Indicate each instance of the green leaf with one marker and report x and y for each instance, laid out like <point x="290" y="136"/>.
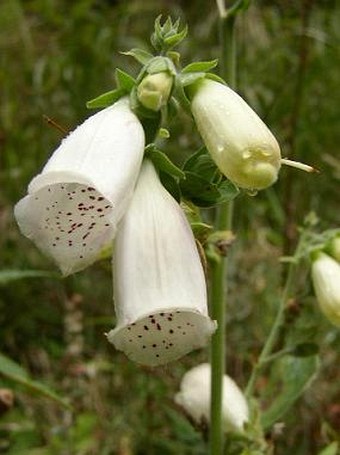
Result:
<point x="140" y="55"/>
<point x="106" y="99"/>
<point x="124" y="80"/>
<point x="7" y="276"/>
<point x="162" y="162"/>
<point x="200" y="66"/>
<point x="14" y="372"/>
<point x="171" y="185"/>
<point x="198" y="190"/>
<point x="291" y="377"/>
<point x="189" y="78"/>
<point x="228" y="191"/>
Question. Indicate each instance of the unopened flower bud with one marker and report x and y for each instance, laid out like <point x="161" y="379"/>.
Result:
<point x="242" y="146"/>
<point x="194" y="398"/>
<point x="154" y="90"/>
<point x="326" y="281"/>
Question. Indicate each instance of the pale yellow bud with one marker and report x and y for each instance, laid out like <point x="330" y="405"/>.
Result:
<point x="154" y="90"/>
<point x="326" y="281"/>
<point x="242" y="146"/>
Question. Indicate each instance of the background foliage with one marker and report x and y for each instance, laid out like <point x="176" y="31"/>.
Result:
<point x="54" y="56"/>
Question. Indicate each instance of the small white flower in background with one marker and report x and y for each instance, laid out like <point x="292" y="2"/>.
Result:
<point x="159" y="284"/>
<point x="73" y="207"/>
<point x="326" y="281"/>
<point x="194" y="398"/>
<point x="242" y="146"/>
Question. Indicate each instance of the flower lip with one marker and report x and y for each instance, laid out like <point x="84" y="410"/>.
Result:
<point x="163" y="336"/>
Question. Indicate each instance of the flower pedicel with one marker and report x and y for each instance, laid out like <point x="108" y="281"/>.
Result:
<point x="159" y="284"/>
<point x="73" y="207"/>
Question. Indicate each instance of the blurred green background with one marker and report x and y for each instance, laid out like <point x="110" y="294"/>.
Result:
<point x="54" y="56"/>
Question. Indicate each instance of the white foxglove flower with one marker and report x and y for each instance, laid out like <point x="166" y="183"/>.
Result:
<point x="194" y="398"/>
<point x="241" y="145"/>
<point x="159" y="284"/>
<point x="326" y="281"/>
<point x="73" y="207"/>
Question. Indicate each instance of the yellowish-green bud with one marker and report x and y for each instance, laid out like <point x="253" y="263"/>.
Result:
<point x="154" y="90"/>
<point x="326" y="281"/>
<point x="240" y="143"/>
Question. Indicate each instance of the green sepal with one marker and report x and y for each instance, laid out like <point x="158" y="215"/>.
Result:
<point x="215" y="78"/>
<point x="106" y="99"/>
<point x="197" y="67"/>
<point x="159" y="64"/>
<point x="167" y="36"/>
<point x="124" y="80"/>
<point x="171" y="185"/>
<point x="140" y="55"/>
<point x="174" y="40"/>
<point x="190" y="78"/>
<point x="162" y="162"/>
<point x="174" y="57"/>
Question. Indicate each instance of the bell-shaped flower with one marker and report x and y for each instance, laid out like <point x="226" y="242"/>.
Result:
<point x="326" y="281"/>
<point x="73" y="207"/>
<point x="159" y="284"/>
<point x="242" y="146"/>
<point x="194" y="398"/>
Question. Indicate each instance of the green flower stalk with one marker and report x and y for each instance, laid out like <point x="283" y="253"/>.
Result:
<point x="326" y="281"/>
<point x="239" y="142"/>
<point x="154" y="90"/>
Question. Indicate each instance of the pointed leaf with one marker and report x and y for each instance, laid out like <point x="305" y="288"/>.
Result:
<point x="215" y="78"/>
<point x="163" y="163"/>
<point x="106" y="99"/>
<point x="292" y="376"/>
<point x="200" y="66"/>
<point x="174" y="40"/>
<point x="189" y="78"/>
<point x="171" y="185"/>
<point x="124" y="80"/>
<point x="14" y="372"/>
<point x="7" y="276"/>
<point x="140" y="55"/>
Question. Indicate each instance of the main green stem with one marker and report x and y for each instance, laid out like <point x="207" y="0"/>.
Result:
<point x="218" y="289"/>
<point x="279" y="319"/>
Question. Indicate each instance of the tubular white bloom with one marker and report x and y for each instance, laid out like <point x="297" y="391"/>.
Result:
<point x="241" y="145"/>
<point x="73" y="206"/>
<point x="159" y="284"/>
<point x="194" y="398"/>
<point x="326" y="281"/>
